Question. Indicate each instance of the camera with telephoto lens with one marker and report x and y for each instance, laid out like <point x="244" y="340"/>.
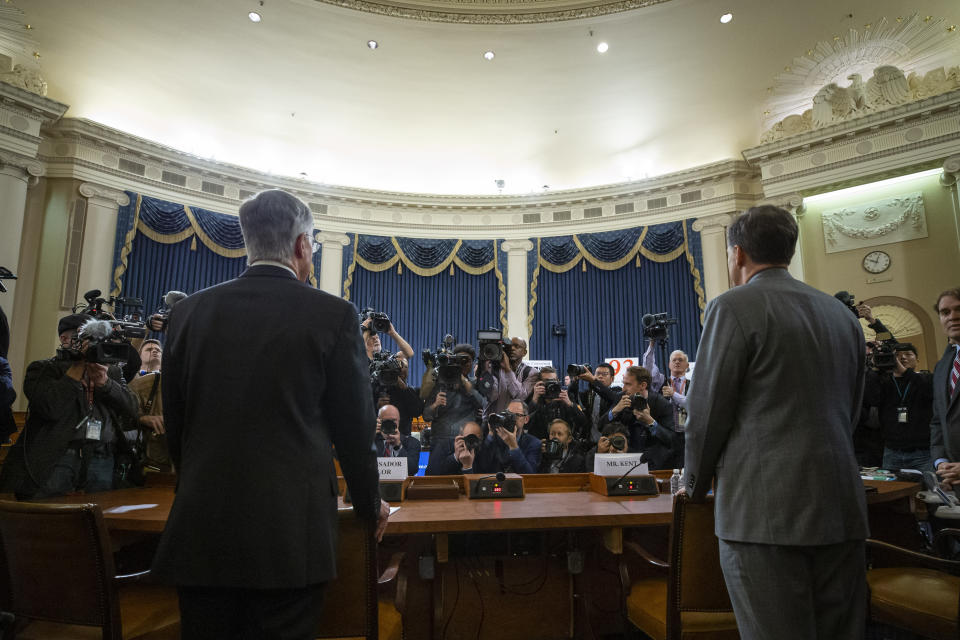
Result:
<point x="617" y="441"/>
<point x="5" y="274"/>
<point x="884" y="356"/>
<point x="506" y="420"/>
<point x="448" y="365"/>
<point x="574" y="370"/>
<point x="655" y="325"/>
<point x="471" y="442"/>
<point x="388" y="426"/>
<point x="552" y="449"/>
<point x="385" y="368"/>
<point x="848" y="300"/>
<point x="170" y="298"/>
<point x="551" y="389"/>
<point x="105" y="341"/>
<point x="132" y="325"/>
<point x="379" y="321"/>
<point x="637" y="402"/>
<point x="491" y="345"/>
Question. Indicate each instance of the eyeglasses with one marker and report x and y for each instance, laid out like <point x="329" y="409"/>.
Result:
<point x="314" y="243"/>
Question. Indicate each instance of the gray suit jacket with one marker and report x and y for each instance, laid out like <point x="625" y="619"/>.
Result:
<point x="775" y="397"/>
<point x="945" y="424"/>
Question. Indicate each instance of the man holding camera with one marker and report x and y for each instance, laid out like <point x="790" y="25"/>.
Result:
<point x="147" y="386"/>
<point x="392" y="443"/>
<point x="904" y="401"/>
<point x="550" y="403"/>
<point x="596" y="396"/>
<point x="558" y="453"/>
<point x="510" y="379"/>
<point x="78" y="411"/>
<point x="372" y="326"/>
<point x="454" y="456"/>
<point x="615" y="438"/>
<point x="396" y="392"/>
<point x="649" y="416"/>
<point x="508" y="448"/>
<point x="453" y="402"/>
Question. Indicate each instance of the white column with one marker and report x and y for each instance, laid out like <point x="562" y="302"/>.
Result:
<point x="331" y="261"/>
<point x="951" y="174"/>
<point x="794" y="205"/>
<point x="713" y="242"/>
<point x="14" y="178"/>
<point x="517" y="287"/>
<point x="99" y="233"/>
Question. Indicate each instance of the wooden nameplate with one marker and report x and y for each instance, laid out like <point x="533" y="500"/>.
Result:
<point x="426" y="488"/>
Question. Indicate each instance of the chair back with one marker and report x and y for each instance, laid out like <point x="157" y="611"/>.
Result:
<point x="696" y="594"/>
<point x="350" y="602"/>
<point x="57" y="565"/>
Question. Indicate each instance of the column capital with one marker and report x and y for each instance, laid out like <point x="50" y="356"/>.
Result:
<point x="109" y="195"/>
<point x="332" y="239"/>
<point x="951" y="171"/>
<point x="714" y="223"/>
<point x="21" y="167"/>
<point x="516" y="246"/>
<point x="792" y="202"/>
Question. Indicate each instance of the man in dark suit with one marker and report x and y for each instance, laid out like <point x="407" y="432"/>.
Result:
<point x="945" y="424"/>
<point x="263" y="375"/>
<point x="651" y="426"/>
<point x="393" y="443"/>
<point x="774" y="427"/>
<point x="596" y="396"/>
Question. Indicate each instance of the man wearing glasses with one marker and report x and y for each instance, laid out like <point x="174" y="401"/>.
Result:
<point x="508" y="447"/>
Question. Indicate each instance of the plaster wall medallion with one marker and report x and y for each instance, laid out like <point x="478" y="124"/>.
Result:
<point x="875" y="223"/>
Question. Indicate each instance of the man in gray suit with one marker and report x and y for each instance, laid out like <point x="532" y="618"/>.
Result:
<point x="774" y="427"/>
<point x="945" y="424"/>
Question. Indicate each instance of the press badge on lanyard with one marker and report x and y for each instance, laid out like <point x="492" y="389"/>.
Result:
<point x="902" y="415"/>
<point x="94" y="427"/>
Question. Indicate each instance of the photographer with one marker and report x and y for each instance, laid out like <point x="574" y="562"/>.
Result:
<point x="549" y="403"/>
<point x="453" y="456"/>
<point x="453" y="401"/>
<point x="509" y="379"/>
<point x="372" y="326"/>
<point x="557" y="454"/>
<point x="676" y="386"/>
<point x="7" y="394"/>
<point x="78" y="410"/>
<point x="594" y="392"/>
<point x="391" y="443"/>
<point x="614" y="439"/>
<point x="152" y="436"/>
<point x="394" y="391"/>
<point x="904" y="401"/>
<point x="507" y="447"/>
<point x="649" y="417"/>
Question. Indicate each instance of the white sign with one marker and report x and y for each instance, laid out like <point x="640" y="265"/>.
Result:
<point x="392" y="468"/>
<point x="538" y="364"/>
<point x="618" y="464"/>
<point x="620" y="366"/>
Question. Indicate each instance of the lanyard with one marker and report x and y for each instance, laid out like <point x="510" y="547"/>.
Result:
<point x="903" y="395"/>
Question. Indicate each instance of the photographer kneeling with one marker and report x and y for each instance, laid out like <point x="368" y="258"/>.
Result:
<point x="549" y="402"/>
<point x="615" y="438"/>
<point x="79" y="408"/>
<point x="649" y="417"/>
<point x="453" y="456"/>
<point x="507" y="447"/>
<point x="558" y="455"/>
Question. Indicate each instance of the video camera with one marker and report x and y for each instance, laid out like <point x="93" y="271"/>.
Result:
<point x="106" y="340"/>
<point x="884" y="356"/>
<point x="506" y="420"/>
<point x="379" y="321"/>
<point x="170" y="298"/>
<point x="385" y="368"/>
<point x="491" y="345"/>
<point x="130" y="327"/>
<point x="449" y="365"/>
<point x="655" y="325"/>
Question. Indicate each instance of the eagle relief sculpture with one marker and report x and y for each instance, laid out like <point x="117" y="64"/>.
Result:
<point x="888" y="87"/>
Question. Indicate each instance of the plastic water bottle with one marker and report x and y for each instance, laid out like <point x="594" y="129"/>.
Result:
<point x="675" y="482"/>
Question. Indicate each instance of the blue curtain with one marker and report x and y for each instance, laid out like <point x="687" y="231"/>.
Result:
<point x="425" y="308"/>
<point x="602" y="311"/>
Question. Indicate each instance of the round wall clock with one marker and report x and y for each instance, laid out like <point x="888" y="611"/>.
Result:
<point x="876" y="261"/>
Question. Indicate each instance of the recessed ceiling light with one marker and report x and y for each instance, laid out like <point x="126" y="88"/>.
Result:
<point x="725" y="18"/>
<point x="602" y="47"/>
<point x="488" y="55"/>
<point x="254" y="16"/>
<point x="372" y="44"/>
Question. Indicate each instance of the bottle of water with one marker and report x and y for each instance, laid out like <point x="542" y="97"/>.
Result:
<point x="675" y="482"/>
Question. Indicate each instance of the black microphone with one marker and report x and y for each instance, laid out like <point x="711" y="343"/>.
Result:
<point x="499" y="475"/>
<point x="642" y="461"/>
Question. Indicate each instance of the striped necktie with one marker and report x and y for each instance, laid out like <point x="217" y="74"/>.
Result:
<point x="955" y="373"/>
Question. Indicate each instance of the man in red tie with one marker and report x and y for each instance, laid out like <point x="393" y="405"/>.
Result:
<point x="945" y="425"/>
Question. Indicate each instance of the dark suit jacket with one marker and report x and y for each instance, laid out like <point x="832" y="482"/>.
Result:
<point x="771" y="422"/>
<point x="409" y="449"/>
<point x="945" y="424"/>
<point x="661" y="445"/>
<point x="261" y="376"/>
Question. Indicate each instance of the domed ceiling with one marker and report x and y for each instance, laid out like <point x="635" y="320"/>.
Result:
<point x="300" y="93"/>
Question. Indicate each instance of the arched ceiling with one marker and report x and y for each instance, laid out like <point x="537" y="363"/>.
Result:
<point x="301" y="92"/>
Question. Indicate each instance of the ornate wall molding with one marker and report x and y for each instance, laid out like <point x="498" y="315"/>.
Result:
<point x="714" y="223"/>
<point x="87" y="151"/>
<point x="516" y="246"/>
<point x="106" y="194"/>
<point x="493" y="13"/>
<point x="328" y="238"/>
<point x="874" y="223"/>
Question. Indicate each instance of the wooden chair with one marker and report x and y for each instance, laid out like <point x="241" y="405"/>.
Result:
<point x="691" y="600"/>
<point x="358" y="604"/>
<point x="57" y="578"/>
<point x="914" y="591"/>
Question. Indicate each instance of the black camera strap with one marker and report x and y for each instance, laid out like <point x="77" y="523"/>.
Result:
<point x="148" y="407"/>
